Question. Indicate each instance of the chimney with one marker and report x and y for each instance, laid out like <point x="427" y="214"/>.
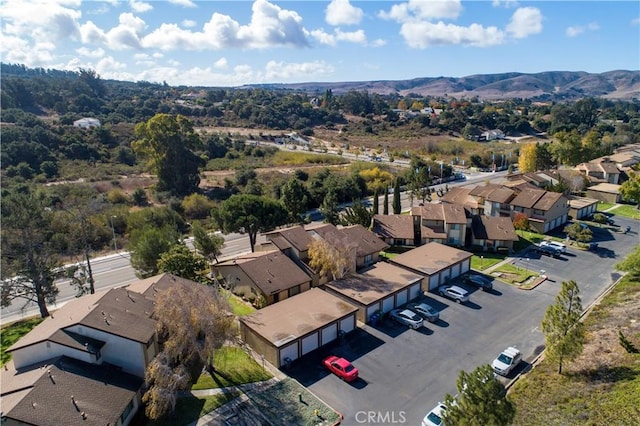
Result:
<point x="51" y="377"/>
<point x="75" y="404"/>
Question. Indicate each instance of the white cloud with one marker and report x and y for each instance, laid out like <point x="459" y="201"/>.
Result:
<point x="282" y="71"/>
<point x="524" y="22"/>
<point x="221" y="64"/>
<point x="504" y="3"/>
<point x="189" y="23"/>
<point x="423" y="34"/>
<point x="185" y="3"/>
<point x="127" y="33"/>
<point x="270" y="26"/>
<point x="421" y="10"/>
<point x="576" y="30"/>
<point x="173" y="62"/>
<point x="96" y="53"/>
<point x="140" y="6"/>
<point x="378" y="42"/>
<point x="341" y="12"/>
<point x="40" y="20"/>
<point x="17" y="50"/>
<point x="90" y="33"/>
<point x="323" y="37"/>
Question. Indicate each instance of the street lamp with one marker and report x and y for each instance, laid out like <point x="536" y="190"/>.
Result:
<point x="113" y="231"/>
<point x="482" y="263"/>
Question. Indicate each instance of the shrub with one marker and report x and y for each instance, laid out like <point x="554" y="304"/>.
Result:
<point x="197" y="206"/>
<point x="117" y="196"/>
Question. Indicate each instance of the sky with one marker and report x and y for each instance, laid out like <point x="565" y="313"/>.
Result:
<point x="231" y="43"/>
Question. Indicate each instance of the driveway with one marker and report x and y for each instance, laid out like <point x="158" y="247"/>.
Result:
<point x="404" y="372"/>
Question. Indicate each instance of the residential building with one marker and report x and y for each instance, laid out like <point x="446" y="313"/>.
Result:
<point x="442" y="222"/>
<point x="493" y="233"/>
<point x="582" y="207"/>
<point x="87" y="123"/>
<point x="396" y="230"/>
<point x="601" y="170"/>
<point x="546" y="210"/>
<point x="607" y="192"/>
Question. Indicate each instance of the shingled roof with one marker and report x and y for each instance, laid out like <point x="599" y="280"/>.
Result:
<point x="430" y="258"/>
<point x="393" y="226"/>
<point x="296" y="236"/>
<point x="494" y="228"/>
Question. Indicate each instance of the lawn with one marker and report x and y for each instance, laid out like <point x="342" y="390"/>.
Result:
<point x="189" y="409"/>
<point x="12" y="332"/>
<point x="392" y="252"/>
<point x="515" y="274"/>
<point x="238" y="306"/>
<point x="480" y="262"/>
<point x="627" y="210"/>
<point x="602" y="206"/>
<point x="602" y="386"/>
<point x="232" y="366"/>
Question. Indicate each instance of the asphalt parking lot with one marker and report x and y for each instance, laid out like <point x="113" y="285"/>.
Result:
<point x="404" y="372"/>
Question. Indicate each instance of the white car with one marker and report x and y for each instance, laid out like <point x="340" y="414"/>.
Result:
<point x="407" y="317"/>
<point x="507" y="361"/>
<point x="454" y="292"/>
<point x="434" y="417"/>
<point x="559" y="246"/>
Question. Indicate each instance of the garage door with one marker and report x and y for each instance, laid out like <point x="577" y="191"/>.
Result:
<point x="348" y="324"/>
<point x="387" y="304"/>
<point x="290" y="352"/>
<point x="433" y="281"/>
<point x="329" y="334"/>
<point x="444" y="275"/>
<point x="455" y="270"/>
<point x="372" y="310"/>
<point x="401" y="297"/>
<point x="309" y="343"/>
<point x="414" y="291"/>
<point x="465" y="266"/>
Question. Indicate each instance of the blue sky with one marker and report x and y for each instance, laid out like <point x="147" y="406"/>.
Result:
<point x="230" y="43"/>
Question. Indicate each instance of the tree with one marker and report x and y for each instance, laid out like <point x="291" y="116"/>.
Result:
<point x="29" y="261"/>
<point x="166" y="143"/>
<point x="397" y="207"/>
<point x="482" y="400"/>
<point x="544" y="159"/>
<point x="564" y="333"/>
<point x="197" y="206"/>
<point x="385" y="206"/>
<point x="527" y="159"/>
<point x="193" y="321"/>
<point x="357" y="214"/>
<point x="332" y="256"/>
<point x="578" y="232"/>
<point x="147" y="245"/>
<point x="630" y="189"/>
<point x="249" y="214"/>
<point x="521" y="221"/>
<point x="376" y="203"/>
<point x="631" y="263"/>
<point x="208" y="245"/>
<point x="181" y="261"/>
<point x="294" y="197"/>
<point x="329" y="208"/>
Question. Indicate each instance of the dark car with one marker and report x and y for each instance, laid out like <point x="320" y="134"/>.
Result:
<point x="548" y="250"/>
<point x="479" y="281"/>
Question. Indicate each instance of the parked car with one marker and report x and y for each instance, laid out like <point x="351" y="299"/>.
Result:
<point x="454" y="292"/>
<point x="555" y="244"/>
<point x="425" y="311"/>
<point x="548" y="250"/>
<point x="434" y="417"/>
<point x="479" y="281"/>
<point x="407" y="317"/>
<point x="341" y="368"/>
<point x="507" y="361"/>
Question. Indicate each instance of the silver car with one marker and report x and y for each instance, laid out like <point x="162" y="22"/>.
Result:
<point x="425" y="311"/>
<point x="407" y="317"/>
<point x="454" y="292"/>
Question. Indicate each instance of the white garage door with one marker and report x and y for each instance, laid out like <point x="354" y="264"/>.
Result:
<point x="372" y="310"/>
<point x="465" y="266"/>
<point x="546" y="227"/>
<point x="414" y="291"/>
<point x="444" y="275"/>
<point x="387" y="304"/>
<point x="433" y="281"/>
<point x="329" y="334"/>
<point x="348" y="324"/>
<point x="309" y="343"/>
<point x="455" y="270"/>
<point x="290" y="352"/>
<point x="401" y="297"/>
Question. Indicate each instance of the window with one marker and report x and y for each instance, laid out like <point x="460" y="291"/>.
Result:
<point x="126" y="412"/>
<point x="518" y="209"/>
<point x="454" y="226"/>
<point x="368" y="259"/>
<point x="538" y="212"/>
<point x="294" y="290"/>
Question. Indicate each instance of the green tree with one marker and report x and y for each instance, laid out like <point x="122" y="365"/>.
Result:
<point x="294" y="197"/>
<point x="544" y="159"/>
<point x="376" y="203"/>
<point x="249" y="214"/>
<point x="577" y="232"/>
<point x="29" y="259"/>
<point x="631" y="263"/>
<point x="329" y="208"/>
<point x="167" y="143"/>
<point x="357" y="214"/>
<point x="397" y="207"/>
<point x="385" y="206"/>
<point x="208" y="245"/>
<point x="147" y="246"/>
<point x="482" y="400"/>
<point x="567" y="148"/>
<point x="564" y="333"/>
<point x="630" y="189"/>
<point x="181" y="261"/>
<point x="197" y="206"/>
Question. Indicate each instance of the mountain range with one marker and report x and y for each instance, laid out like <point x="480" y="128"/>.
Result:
<point x="543" y="86"/>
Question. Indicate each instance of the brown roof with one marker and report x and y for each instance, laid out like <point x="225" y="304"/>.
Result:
<point x="576" y="202"/>
<point x="101" y="392"/>
<point x="374" y="283"/>
<point x="367" y="241"/>
<point x="430" y="258"/>
<point x="501" y="195"/>
<point x="271" y="272"/>
<point x="528" y="197"/>
<point x="297" y="316"/>
<point x="430" y="211"/>
<point x="393" y="226"/>
<point x="605" y="187"/>
<point x="548" y="199"/>
<point x="453" y="213"/>
<point x="590" y="167"/>
<point x="484" y="190"/>
<point x="295" y="235"/>
<point x="494" y="228"/>
<point x="461" y="196"/>
<point x="609" y="167"/>
<point x="149" y="287"/>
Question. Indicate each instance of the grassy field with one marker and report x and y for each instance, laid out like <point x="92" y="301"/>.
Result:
<point x="190" y="409"/>
<point x="12" y="332"/>
<point x="238" y="306"/>
<point x="602" y="206"/>
<point x="480" y="262"/>
<point x="627" y="210"/>
<point x="515" y="274"/>
<point x="603" y="385"/>
<point x="233" y="366"/>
